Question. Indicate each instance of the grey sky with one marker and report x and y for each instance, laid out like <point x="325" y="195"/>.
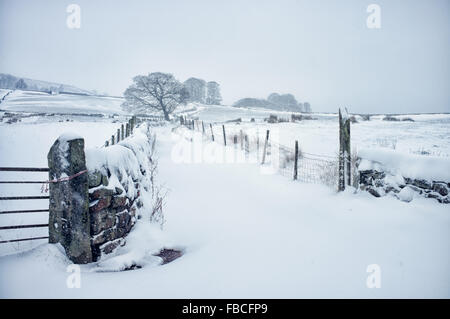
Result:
<point x="320" y="51"/>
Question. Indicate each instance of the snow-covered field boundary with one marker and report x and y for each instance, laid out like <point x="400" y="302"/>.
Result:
<point x="248" y="145"/>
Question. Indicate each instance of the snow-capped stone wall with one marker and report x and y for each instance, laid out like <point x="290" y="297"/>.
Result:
<point x="404" y="176"/>
<point x="112" y="213"/>
<point x="108" y="196"/>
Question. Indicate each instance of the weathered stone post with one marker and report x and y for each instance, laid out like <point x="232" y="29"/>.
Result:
<point x="69" y="222"/>
<point x="344" y="151"/>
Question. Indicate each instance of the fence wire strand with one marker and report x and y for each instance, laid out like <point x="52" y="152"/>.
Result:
<point x="311" y="168"/>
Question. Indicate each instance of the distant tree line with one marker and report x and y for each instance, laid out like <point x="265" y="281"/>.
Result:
<point x="161" y="92"/>
<point x="203" y="92"/>
<point x="285" y="102"/>
<point x="11" y="82"/>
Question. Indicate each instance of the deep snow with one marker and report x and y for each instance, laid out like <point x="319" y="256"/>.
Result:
<point x="248" y="234"/>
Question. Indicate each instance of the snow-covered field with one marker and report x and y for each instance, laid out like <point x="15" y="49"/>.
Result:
<point x="248" y="234"/>
<point x="31" y="101"/>
<point x="429" y="133"/>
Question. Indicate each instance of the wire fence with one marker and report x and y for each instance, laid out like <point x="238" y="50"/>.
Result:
<point x="303" y="167"/>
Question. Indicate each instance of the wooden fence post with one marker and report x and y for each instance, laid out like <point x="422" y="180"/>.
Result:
<point x="212" y="132"/>
<point x="296" y="160"/>
<point x="203" y="127"/>
<point x="122" y="133"/>
<point x="127" y="129"/>
<point x="241" y="135"/>
<point x="118" y="135"/>
<point x="257" y="146"/>
<point x="265" y="147"/>
<point x="112" y="139"/>
<point x="247" y="145"/>
<point x="224" y="136"/>
<point x="344" y="151"/>
<point x="106" y="143"/>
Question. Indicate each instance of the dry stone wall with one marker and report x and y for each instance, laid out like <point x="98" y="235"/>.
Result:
<point x="92" y="213"/>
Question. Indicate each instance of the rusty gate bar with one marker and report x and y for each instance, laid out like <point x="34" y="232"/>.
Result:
<point x="24" y="197"/>
<point x="23" y="226"/>
<point x="23" y="182"/>
<point x="23" y="169"/>
<point x="23" y="211"/>
<point x="22" y="239"/>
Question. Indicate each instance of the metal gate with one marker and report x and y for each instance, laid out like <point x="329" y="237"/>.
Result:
<point x="24" y="198"/>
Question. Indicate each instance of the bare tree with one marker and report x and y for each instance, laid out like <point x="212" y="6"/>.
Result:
<point x="213" y="96"/>
<point x="307" y="107"/>
<point x="196" y="88"/>
<point x="156" y="91"/>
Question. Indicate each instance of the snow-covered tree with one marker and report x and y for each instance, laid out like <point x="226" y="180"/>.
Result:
<point x="196" y="89"/>
<point x="213" y="96"/>
<point x="21" y="85"/>
<point x="283" y="100"/>
<point x="307" y="107"/>
<point x="156" y="91"/>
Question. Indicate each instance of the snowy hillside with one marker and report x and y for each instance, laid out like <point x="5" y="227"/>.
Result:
<point x="312" y="241"/>
<point x="12" y="82"/>
<point x="39" y="102"/>
<point x="244" y="233"/>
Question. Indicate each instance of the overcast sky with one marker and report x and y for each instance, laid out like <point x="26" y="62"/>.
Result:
<point x="320" y="51"/>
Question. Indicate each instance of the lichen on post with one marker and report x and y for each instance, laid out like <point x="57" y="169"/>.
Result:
<point x="344" y="151"/>
<point x="69" y="199"/>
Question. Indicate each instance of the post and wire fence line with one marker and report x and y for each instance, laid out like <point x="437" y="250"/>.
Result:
<point x="333" y="171"/>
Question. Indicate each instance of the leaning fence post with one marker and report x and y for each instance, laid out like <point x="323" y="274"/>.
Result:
<point x="69" y="219"/>
<point x="212" y="132"/>
<point x="257" y="146"/>
<point x="265" y="147"/>
<point x="247" y="146"/>
<point x="344" y="151"/>
<point x="241" y="136"/>
<point x="224" y="136"/>
<point x="296" y="160"/>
